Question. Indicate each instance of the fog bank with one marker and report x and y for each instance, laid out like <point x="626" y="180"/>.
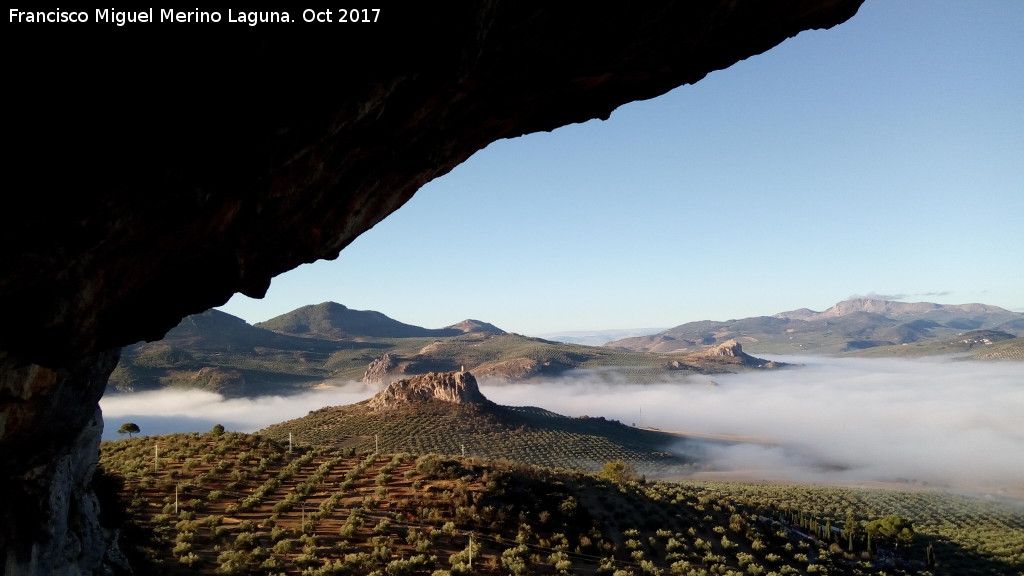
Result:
<point x="167" y="411"/>
<point x="831" y="420"/>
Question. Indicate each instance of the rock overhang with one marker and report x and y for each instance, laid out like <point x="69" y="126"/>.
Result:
<point x="153" y="172"/>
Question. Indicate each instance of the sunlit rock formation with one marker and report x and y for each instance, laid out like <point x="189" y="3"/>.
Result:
<point x="451" y="387"/>
<point x="380" y="368"/>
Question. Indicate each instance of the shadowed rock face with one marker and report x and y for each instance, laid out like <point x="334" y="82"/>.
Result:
<point x="160" y="169"/>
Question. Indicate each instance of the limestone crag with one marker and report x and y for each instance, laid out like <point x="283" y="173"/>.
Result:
<point x="727" y="349"/>
<point x="381" y="368"/>
<point x="452" y="387"/>
<point x="732" y="352"/>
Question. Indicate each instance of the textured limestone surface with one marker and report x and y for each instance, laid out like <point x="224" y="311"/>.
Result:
<point x="380" y="368"/>
<point x="451" y="387"/>
<point x="154" y="170"/>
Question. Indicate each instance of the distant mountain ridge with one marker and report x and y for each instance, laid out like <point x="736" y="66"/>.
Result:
<point x="598" y="337"/>
<point x="849" y="325"/>
<point x="893" y="308"/>
<point x="320" y="343"/>
<point x="335" y="321"/>
<point x="328" y="342"/>
<point x="216" y="329"/>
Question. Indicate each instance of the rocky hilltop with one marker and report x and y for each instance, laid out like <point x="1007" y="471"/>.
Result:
<point x="380" y="368"/>
<point x="445" y="413"/>
<point x="732" y="352"/>
<point x="470" y="326"/>
<point x="451" y="387"/>
<point x="333" y="321"/>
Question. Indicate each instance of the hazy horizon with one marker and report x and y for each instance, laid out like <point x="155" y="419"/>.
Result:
<point x="591" y="337"/>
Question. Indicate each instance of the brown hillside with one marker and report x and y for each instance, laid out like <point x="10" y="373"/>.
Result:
<point x="237" y="504"/>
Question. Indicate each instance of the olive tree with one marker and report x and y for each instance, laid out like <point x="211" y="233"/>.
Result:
<point x="129" y="428"/>
<point x="618" y="471"/>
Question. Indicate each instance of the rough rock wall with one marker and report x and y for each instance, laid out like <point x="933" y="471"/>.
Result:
<point x="732" y="352"/>
<point x="180" y="166"/>
<point x="452" y="387"/>
<point x="379" y="369"/>
<point x="50" y="432"/>
<point x="727" y="349"/>
<point x="158" y="169"/>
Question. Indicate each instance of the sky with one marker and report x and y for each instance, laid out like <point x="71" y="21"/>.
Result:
<point x="880" y="158"/>
<point x="935" y="421"/>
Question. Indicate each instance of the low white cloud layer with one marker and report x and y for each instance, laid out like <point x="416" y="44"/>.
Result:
<point x="838" y="420"/>
<point x="167" y="411"/>
<point x="834" y="420"/>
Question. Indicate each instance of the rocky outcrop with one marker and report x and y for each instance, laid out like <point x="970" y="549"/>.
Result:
<point x="451" y="387"/>
<point x="177" y="173"/>
<point x="730" y="352"/>
<point x="381" y="368"/>
<point x="727" y="349"/>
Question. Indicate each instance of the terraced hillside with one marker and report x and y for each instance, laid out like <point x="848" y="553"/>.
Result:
<point x="1004" y="350"/>
<point x="973" y="345"/>
<point x="447" y="414"/>
<point x="229" y="503"/>
<point x="524" y="434"/>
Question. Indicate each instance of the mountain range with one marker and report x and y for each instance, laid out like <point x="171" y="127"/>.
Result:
<point x="848" y="326"/>
<point x="333" y="321"/>
<point x="320" y="343"/>
<point x="328" y="341"/>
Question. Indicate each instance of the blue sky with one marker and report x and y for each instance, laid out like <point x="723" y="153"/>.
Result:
<point x="881" y="157"/>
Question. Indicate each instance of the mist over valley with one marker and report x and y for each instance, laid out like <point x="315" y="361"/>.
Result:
<point x="828" y="420"/>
